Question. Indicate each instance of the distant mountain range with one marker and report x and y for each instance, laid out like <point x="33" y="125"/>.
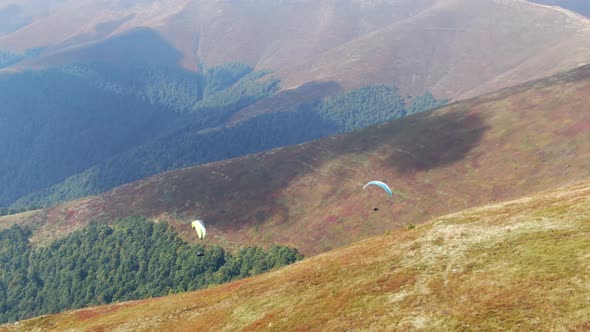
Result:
<point x="455" y="49"/>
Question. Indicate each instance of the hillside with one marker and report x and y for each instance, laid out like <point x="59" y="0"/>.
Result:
<point x="518" y="265"/>
<point x="447" y="48"/>
<point x="56" y="123"/>
<point x="134" y="258"/>
<point x="62" y="121"/>
<point x="493" y="148"/>
<point x="81" y="130"/>
<point x="437" y="45"/>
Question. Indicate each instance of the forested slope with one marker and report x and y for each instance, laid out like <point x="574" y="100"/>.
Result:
<point x="132" y="259"/>
<point x="83" y="129"/>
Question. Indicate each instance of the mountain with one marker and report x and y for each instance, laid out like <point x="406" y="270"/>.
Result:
<point x="501" y="146"/>
<point x="456" y="49"/>
<point x="579" y="6"/>
<point x="517" y="265"/>
<point x="171" y="84"/>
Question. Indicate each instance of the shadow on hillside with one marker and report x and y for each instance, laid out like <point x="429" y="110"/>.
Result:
<point x="415" y="143"/>
<point x="100" y="31"/>
<point x="245" y="190"/>
<point x="287" y="100"/>
<point x="138" y="46"/>
<point x="435" y="140"/>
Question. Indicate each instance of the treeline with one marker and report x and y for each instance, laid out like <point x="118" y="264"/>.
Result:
<point x="170" y="88"/>
<point x="371" y="105"/>
<point x="134" y="259"/>
<point x="220" y="77"/>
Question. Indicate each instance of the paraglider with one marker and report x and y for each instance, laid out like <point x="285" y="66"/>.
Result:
<point x="382" y="185"/>
<point x="199" y="226"/>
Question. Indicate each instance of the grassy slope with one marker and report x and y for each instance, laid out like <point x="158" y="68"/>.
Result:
<point x="520" y="265"/>
<point x="446" y="48"/>
<point x="513" y="143"/>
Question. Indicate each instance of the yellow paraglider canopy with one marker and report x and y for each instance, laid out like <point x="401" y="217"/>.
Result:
<point x="199" y="226"/>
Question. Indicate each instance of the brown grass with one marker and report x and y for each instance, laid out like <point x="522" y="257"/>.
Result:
<point x="437" y="45"/>
<point x="519" y="265"/>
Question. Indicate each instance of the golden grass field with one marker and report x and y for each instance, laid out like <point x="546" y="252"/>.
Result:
<point x="522" y="265"/>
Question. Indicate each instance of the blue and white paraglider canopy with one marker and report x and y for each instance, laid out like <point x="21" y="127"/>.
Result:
<point x="382" y="185"/>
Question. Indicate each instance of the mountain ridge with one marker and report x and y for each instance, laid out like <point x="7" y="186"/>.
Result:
<point x="417" y="46"/>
